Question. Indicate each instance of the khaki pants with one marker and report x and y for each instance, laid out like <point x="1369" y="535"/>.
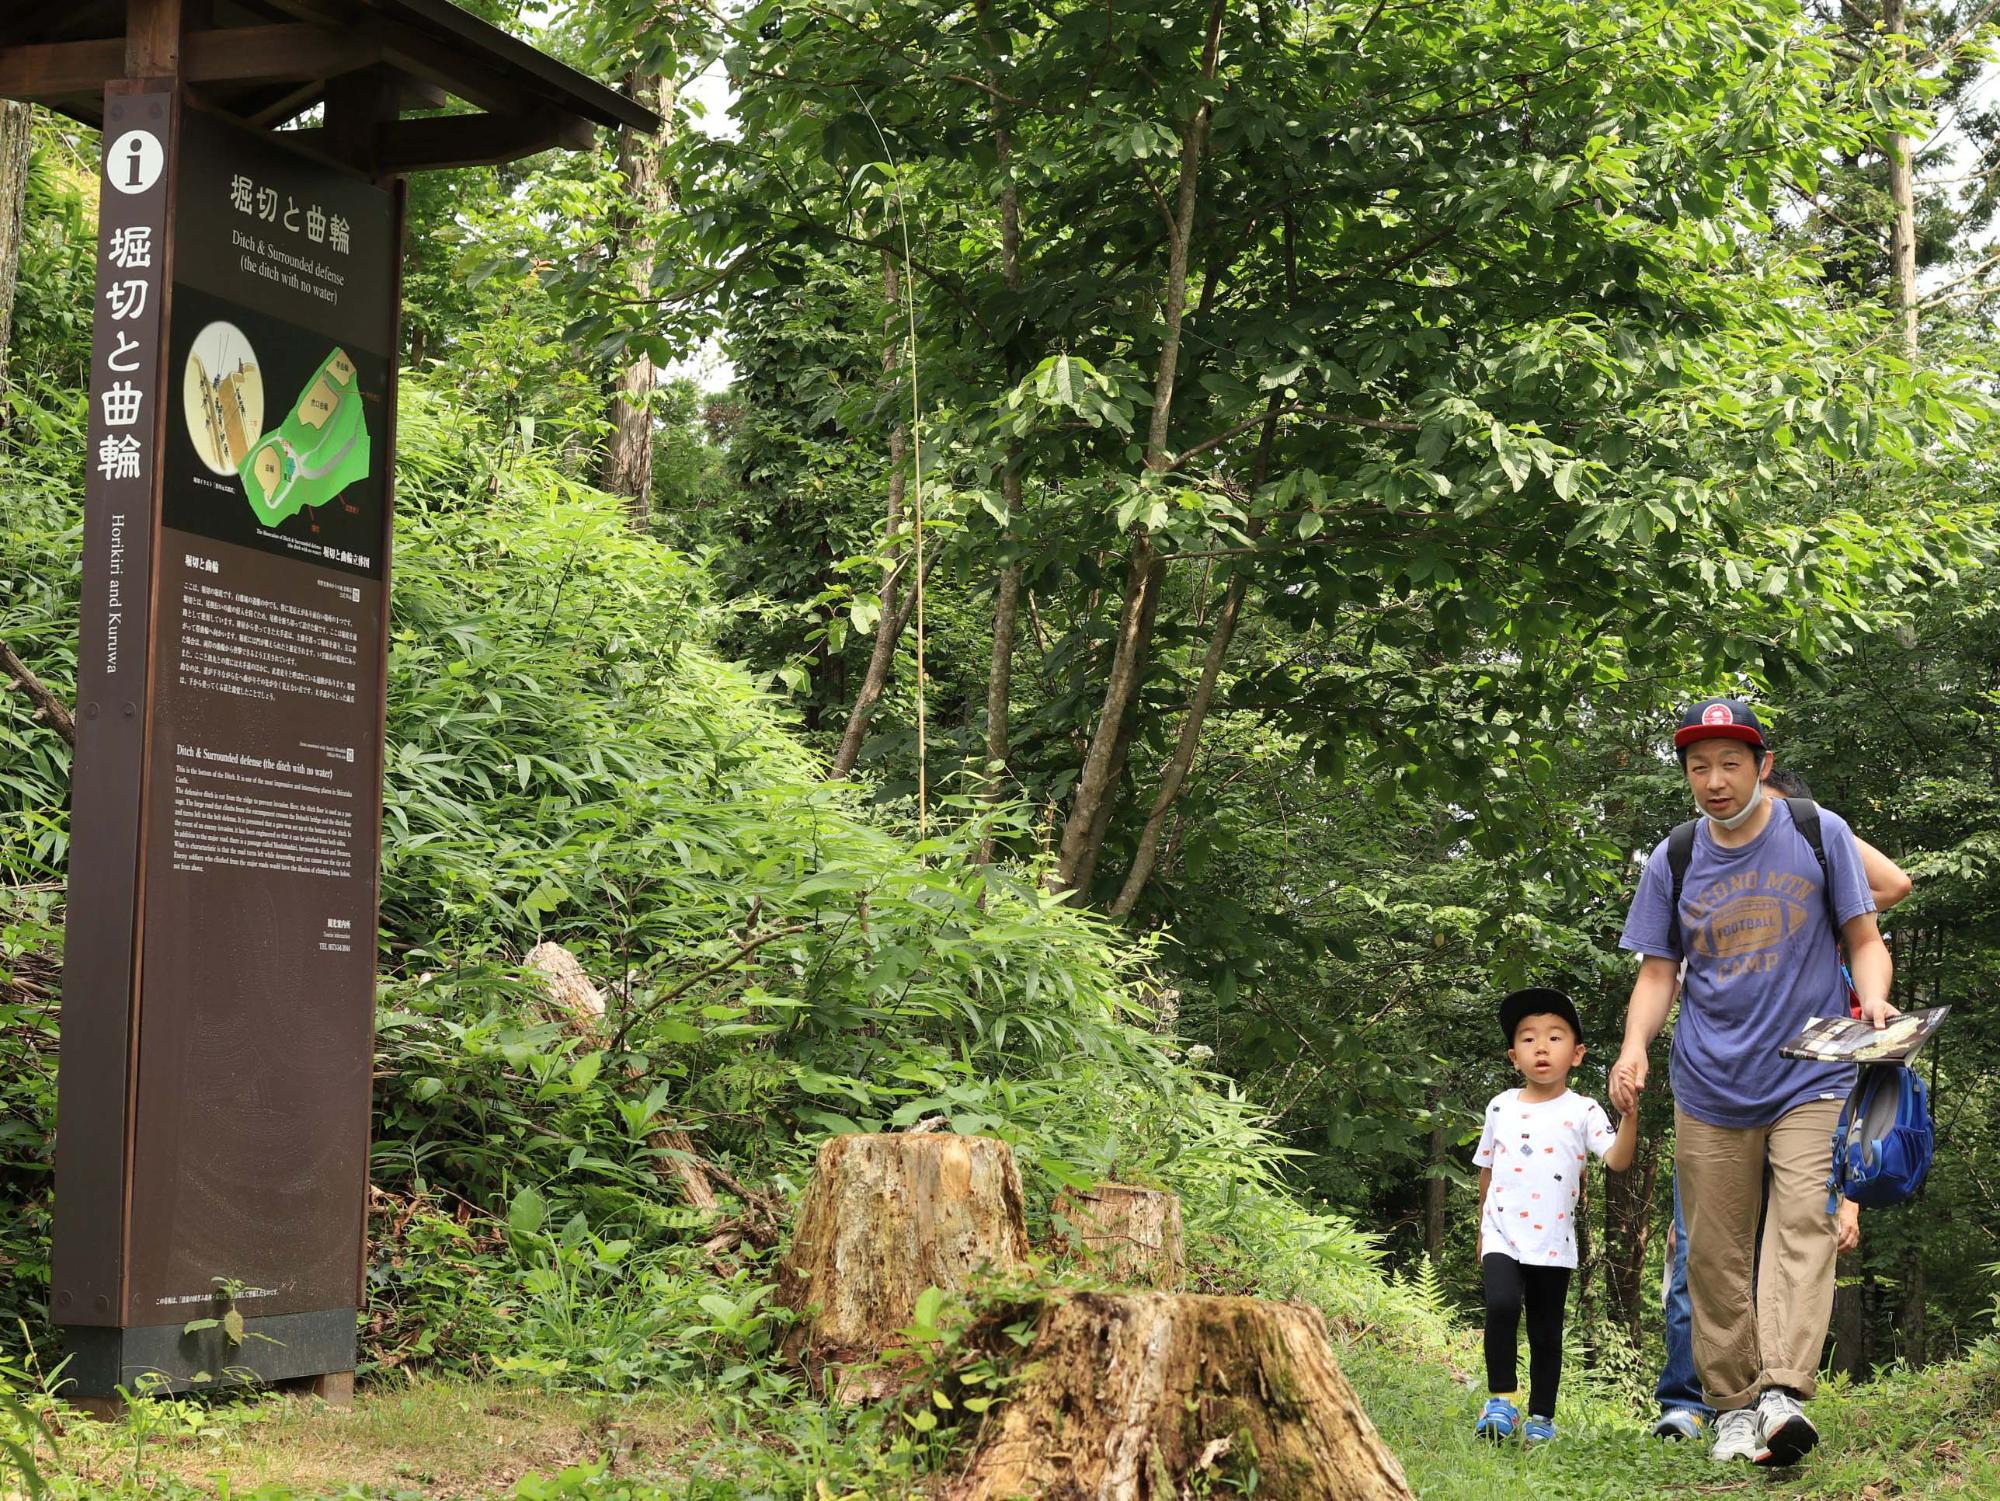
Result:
<point x="1740" y="1349"/>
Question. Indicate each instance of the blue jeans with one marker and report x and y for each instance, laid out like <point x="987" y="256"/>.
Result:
<point x="1679" y="1386"/>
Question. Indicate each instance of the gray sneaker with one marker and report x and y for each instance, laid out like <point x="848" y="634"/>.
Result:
<point x="1787" y="1434"/>
<point x="1736" y="1435"/>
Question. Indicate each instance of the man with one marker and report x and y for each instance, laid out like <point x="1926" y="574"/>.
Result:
<point x="1753" y="1131"/>
<point x="1683" y="1412"/>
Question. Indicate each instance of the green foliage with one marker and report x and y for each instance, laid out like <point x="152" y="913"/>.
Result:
<point x="1519" y="392"/>
<point x="568" y="761"/>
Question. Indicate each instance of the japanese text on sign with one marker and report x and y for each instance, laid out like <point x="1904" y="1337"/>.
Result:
<point x="248" y="197"/>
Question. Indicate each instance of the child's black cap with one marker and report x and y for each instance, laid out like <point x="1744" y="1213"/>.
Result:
<point x="1537" y="1000"/>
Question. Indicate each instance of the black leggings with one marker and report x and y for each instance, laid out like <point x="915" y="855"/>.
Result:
<point x="1542" y="1290"/>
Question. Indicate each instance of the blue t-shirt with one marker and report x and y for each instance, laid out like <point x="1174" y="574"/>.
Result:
<point x="1761" y="963"/>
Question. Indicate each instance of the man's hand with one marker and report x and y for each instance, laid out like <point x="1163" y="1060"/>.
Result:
<point x="1628" y="1078"/>
<point x="1878" y="1014"/>
<point x="1850" y="1226"/>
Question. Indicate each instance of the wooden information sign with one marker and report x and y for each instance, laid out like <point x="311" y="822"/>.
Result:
<point x="243" y="433"/>
<point x="219" y="975"/>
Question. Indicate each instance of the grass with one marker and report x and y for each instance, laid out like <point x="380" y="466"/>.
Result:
<point x="430" y="1439"/>
<point x="1934" y="1432"/>
<point x="1929" y="1433"/>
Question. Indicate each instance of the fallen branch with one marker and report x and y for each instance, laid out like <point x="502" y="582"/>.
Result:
<point x="47" y="706"/>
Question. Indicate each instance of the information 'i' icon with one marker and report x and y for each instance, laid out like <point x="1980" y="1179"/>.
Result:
<point x="134" y="162"/>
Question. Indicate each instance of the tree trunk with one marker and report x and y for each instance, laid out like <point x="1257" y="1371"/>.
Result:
<point x="1628" y="1225"/>
<point x="1435" y="1186"/>
<point x="1903" y="206"/>
<point x="1129" y="1234"/>
<point x="1096" y="786"/>
<point x="885" y="1217"/>
<point x="1848" y="1317"/>
<point x="17" y="140"/>
<point x="628" y="457"/>
<point x="1871" y="1309"/>
<point x="1913" y="1337"/>
<point x="1000" y="675"/>
<point x="1174" y="779"/>
<point x="1121" y="755"/>
<point x="889" y="624"/>
<point x="1162" y="1395"/>
<point x="1007" y="593"/>
<point x="1586" y="1263"/>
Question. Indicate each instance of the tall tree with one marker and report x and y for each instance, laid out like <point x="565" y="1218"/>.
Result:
<point x="1534" y="388"/>
<point x="1902" y="201"/>
<point x="16" y="152"/>
<point x="628" y="455"/>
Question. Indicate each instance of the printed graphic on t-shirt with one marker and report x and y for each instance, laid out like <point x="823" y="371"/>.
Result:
<point x="1762" y="961"/>
<point x="1741" y="921"/>
<point x="1538" y="1153"/>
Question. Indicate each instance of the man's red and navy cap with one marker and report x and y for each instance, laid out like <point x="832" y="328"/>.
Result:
<point x="1719" y="719"/>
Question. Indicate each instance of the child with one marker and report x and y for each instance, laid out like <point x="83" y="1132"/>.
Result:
<point x="1531" y="1160"/>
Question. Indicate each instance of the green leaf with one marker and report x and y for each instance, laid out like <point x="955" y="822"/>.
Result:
<point x="528" y="1213"/>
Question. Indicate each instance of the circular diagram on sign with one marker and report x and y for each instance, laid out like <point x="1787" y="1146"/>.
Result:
<point x="223" y="397"/>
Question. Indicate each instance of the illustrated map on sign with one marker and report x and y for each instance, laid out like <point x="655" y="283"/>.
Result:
<point x="316" y="452"/>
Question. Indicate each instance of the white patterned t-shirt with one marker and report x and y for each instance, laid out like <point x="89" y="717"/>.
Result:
<point x="1538" y="1153"/>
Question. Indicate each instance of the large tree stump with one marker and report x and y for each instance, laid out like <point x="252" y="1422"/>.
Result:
<point x="1128" y="1233"/>
<point x="885" y="1217"/>
<point x="1152" y="1396"/>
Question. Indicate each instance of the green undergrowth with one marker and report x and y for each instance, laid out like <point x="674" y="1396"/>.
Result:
<point x="1930" y="1433"/>
<point x="780" y="957"/>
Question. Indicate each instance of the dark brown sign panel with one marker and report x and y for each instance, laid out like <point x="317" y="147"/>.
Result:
<point x="120" y="519"/>
<point x="252" y="1028"/>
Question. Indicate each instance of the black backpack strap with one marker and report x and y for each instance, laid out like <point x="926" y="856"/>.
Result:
<point x="1805" y="813"/>
<point x="1680" y="852"/>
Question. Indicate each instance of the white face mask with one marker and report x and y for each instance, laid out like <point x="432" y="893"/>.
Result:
<point x="1737" y="819"/>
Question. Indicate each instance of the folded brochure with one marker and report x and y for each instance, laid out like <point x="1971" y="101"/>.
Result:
<point x="1845" y="1039"/>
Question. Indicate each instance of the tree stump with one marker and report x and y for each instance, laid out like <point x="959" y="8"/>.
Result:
<point x="1152" y="1396"/>
<point x="1131" y="1234"/>
<point x="885" y="1217"/>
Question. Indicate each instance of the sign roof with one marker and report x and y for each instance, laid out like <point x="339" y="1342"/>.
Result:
<point x="267" y="62"/>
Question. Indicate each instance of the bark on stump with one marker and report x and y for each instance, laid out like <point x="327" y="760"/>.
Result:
<point x="1152" y="1396"/>
<point x="883" y="1218"/>
<point x="1129" y="1234"/>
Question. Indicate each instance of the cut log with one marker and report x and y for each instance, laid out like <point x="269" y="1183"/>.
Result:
<point x="1152" y="1396"/>
<point x="579" y="1005"/>
<point x="1128" y="1234"/>
<point x="885" y="1217"/>
<point x="573" y="1000"/>
<point x="678" y="1157"/>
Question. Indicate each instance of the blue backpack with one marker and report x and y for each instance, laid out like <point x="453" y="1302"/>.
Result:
<point x="1882" y="1145"/>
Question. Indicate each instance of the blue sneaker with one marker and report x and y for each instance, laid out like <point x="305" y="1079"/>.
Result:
<point x="1538" y="1431"/>
<point x="1678" y="1423"/>
<point x="1497" y="1420"/>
